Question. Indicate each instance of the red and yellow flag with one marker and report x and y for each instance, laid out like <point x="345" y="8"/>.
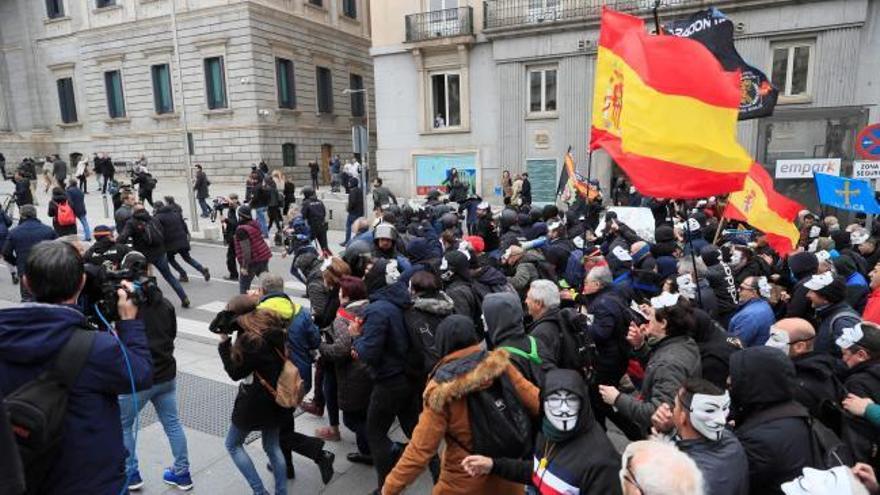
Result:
<point x="765" y="209"/>
<point x="666" y="112"/>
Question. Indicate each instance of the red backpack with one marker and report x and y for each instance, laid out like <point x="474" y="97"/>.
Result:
<point x="65" y="216"/>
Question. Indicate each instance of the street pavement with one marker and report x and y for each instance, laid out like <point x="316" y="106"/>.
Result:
<point x="205" y="392"/>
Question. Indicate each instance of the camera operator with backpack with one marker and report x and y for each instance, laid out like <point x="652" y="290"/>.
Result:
<point x="74" y="446"/>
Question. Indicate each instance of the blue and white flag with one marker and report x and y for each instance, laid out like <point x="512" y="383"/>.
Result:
<point x="846" y="193"/>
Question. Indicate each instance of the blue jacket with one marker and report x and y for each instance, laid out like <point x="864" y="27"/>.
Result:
<point x="5" y="223"/>
<point x="77" y="201"/>
<point x="384" y="342"/>
<point x="857" y="279"/>
<point x="751" y="323"/>
<point x="303" y="337"/>
<point x="22" y="238"/>
<point x="92" y="454"/>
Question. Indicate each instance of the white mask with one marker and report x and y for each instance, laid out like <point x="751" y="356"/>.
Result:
<point x="562" y="408"/>
<point x="778" y="340"/>
<point x="736" y="257"/>
<point x="708" y="414"/>
<point x="392" y="273"/>
<point x="813" y="481"/>
<point x="686" y="286"/>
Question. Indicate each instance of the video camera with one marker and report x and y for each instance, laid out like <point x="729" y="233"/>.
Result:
<point x="105" y="279"/>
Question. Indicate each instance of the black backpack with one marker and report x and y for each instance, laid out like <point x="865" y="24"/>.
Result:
<point x="827" y="448"/>
<point x="37" y="409"/>
<point x="578" y="348"/>
<point x="500" y="425"/>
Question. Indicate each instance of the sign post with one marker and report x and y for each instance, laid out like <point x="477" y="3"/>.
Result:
<point x="868" y="142"/>
<point x="864" y="169"/>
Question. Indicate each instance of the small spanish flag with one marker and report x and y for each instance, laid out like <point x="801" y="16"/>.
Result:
<point x="666" y="112"/>
<point x="762" y="207"/>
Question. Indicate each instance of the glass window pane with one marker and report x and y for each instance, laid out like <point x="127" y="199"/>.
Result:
<point x="288" y="154"/>
<point x="454" y="99"/>
<point x="535" y="91"/>
<point x="115" y="100"/>
<point x="357" y="99"/>
<point x="66" y="100"/>
<point x="550" y="91"/>
<point x="215" y="84"/>
<point x="780" y="67"/>
<point x="800" y="70"/>
<point x="325" y="90"/>
<point x="285" y="81"/>
<point x="163" y="101"/>
<point x="438" y="100"/>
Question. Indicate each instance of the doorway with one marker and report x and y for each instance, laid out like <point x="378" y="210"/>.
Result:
<point x="326" y="155"/>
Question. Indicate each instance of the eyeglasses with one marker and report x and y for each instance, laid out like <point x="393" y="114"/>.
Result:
<point x="556" y="402"/>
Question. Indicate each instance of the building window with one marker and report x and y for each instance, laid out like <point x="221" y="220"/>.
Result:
<point x="350" y="9"/>
<point x="104" y="3"/>
<point x="544" y="10"/>
<point x="446" y="99"/>
<point x="317" y="3"/>
<point x="356" y="82"/>
<point x="288" y="154"/>
<point x="115" y="99"/>
<point x="285" y="81"/>
<point x="325" y="90"/>
<point x="54" y="9"/>
<point x="542" y="90"/>
<point x="215" y="83"/>
<point x="792" y="68"/>
<point x="162" y="96"/>
<point x="66" y="100"/>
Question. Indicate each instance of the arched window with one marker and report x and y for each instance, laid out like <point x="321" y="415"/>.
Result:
<point x="288" y="154"/>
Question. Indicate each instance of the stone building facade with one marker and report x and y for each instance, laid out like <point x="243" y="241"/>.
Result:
<point x="518" y="77"/>
<point x="252" y="73"/>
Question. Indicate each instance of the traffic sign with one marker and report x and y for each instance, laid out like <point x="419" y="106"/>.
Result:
<point x="868" y="142"/>
<point x="866" y="169"/>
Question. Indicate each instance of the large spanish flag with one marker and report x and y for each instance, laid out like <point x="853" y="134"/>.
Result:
<point x="666" y="112"/>
<point x="766" y="210"/>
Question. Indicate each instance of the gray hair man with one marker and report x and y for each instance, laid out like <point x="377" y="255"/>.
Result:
<point x="542" y="302"/>
<point x="658" y="468"/>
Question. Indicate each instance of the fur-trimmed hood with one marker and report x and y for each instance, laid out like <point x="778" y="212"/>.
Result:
<point x="463" y="372"/>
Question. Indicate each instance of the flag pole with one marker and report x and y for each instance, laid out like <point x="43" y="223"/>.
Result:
<point x="657" y="17"/>
<point x="694" y="261"/>
<point x="719" y="229"/>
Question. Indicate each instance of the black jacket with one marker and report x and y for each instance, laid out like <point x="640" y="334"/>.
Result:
<point x="314" y="212"/>
<point x="771" y="426"/>
<point x="144" y="233"/>
<point x="818" y="388"/>
<point x="231" y="225"/>
<point x="608" y="330"/>
<point x="548" y="331"/>
<point x="722" y="282"/>
<point x="723" y="463"/>
<point x="355" y="204"/>
<point x="466" y="301"/>
<point x="504" y="328"/>
<point x="174" y="229"/>
<point x="863" y="437"/>
<point x="201" y="185"/>
<point x="421" y="320"/>
<point x="160" y="323"/>
<point x="587" y="461"/>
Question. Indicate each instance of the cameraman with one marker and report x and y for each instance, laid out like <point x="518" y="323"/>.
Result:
<point x="105" y="249"/>
<point x="230" y="223"/>
<point x="161" y="327"/>
<point x="91" y="455"/>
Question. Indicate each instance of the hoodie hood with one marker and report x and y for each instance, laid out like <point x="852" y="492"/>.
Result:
<point x="491" y="276"/>
<point x="396" y="293"/>
<point x="454" y="333"/>
<point x="441" y="305"/>
<point x="749" y="369"/>
<point x="279" y="304"/>
<point x="141" y="215"/>
<point x="504" y="317"/>
<point x="570" y="380"/>
<point x="463" y="372"/>
<point x="31" y="333"/>
<point x="418" y="250"/>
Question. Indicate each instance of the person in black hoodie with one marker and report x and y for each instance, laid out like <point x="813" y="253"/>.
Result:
<point x="430" y="306"/>
<point x="861" y="353"/>
<point x="160" y="323"/>
<point x="230" y="223"/>
<point x="503" y="316"/>
<point x="354" y="208"/>
<point x="771" y="426"/>
<point x="572" y="453"/>
<point x="817" y="386"/>
<point x="721" y="280"/>
<point x="802" y="266"/>
<point x="843" y="245"/>
<point x="314" y="212"/>
<point x="456" y="274"/>
<point x="176" y="236"/>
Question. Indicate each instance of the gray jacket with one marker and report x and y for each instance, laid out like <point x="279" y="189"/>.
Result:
<point x="383" y="196"/>
<point x="672" y="361"/>
<point x="724" y="464"/>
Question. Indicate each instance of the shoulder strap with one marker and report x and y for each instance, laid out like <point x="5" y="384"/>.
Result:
<point x="532" y="355"/>
<point x="73" y="356"/>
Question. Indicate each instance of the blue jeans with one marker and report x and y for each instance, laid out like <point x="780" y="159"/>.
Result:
<point x="206" y="209"/>
<point x="349" y="220"/>
<point x="184" y="253"/>
<point x="263" y="220"/>
<point x="234" y="445"/>
<point x="164" y="399"/>
<point x="244" y="281"/>
<point x="87" y="231"/>
<point x="161" y="264"/>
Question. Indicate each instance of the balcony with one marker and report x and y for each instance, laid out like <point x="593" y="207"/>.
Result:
<point x="438" y="24"/>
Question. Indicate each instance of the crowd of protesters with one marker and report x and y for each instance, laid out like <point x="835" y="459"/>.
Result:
<point x="506" y="343"/>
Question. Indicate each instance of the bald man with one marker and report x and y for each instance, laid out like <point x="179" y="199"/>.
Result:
<point x="817" y="386"/>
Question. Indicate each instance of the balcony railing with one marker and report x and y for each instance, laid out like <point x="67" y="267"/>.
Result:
<point x="439" y="24"/>
<point x="501" y="14"/>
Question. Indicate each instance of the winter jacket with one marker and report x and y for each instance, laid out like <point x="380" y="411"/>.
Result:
<point x="160" y="323"/>
<point x="303" y="337"/>
<point x="22" y="238"/>
<point x="721" y="280"/>
<point x="755" y="267"/>
<point x="23" y="194"/>
<point x="421" y="320"/>
<point x="772" y="428"/>
<point x="863" y="380"/>
<point x="671" y="362"/>
<point x="504" y="328"/>
<point x="445" y="417"/>
<point x="489" y="280"/>
<point x="608" y="330"/>
<point x="547" y="330"/>
<point x="526" y="272"/>
<point x="384" y="341"/>
<point x="249" y="233"/>
<point x="323" y="301"/>
<point x="201" y="185"/>
<point x="315" y="213"/>
<point x="587" y="463"/>
<point x="857" y="292"/>
<point x="818" y="388"/>
<point x="121" y="217"/>
<point x="59" y="170"/>
<point x="92" y="455"/>
<point x="142" y="231"/>
<point x="355" y="205"/>
<point x="353" y="380"/>
<point x="723" y="463"/>
<point x="383" y="196"/>
<point x="872" y="308"/>
<point x="254" y="407"/>
<point x="77" y="201"/>
<point x="54" y="205"/>
<point x="833" y="318"/>
<point x="174" y="228"/>
<point x="751" y="323"/>
<point x="467" y="302"/>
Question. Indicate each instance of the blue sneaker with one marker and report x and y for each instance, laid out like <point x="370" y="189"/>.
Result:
<point x="135" y="482"/>
<point x="182" y="480"/>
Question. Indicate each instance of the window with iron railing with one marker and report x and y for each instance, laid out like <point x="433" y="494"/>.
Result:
<point x="441" y="23"/>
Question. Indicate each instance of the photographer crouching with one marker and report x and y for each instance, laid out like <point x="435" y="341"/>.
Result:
<point x="83" y="452"/>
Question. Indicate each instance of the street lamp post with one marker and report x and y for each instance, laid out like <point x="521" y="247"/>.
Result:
<point x="366" y="164"/>
<point x="194" y="217"/>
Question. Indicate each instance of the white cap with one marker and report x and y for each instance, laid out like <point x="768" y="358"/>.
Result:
<point x="858" y="237"/>
<point x="820" y="281"/>
<point x="665" y="300"/>
<point x="850" y="336"/>
<point x="621" y="254"/>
